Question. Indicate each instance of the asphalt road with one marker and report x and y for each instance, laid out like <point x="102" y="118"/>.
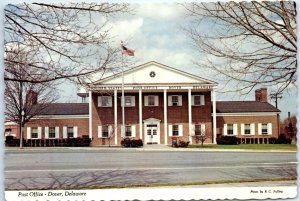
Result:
<point x="87" y="168"/>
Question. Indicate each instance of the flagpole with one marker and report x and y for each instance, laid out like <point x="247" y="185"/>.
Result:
<point x="123" y="101"/>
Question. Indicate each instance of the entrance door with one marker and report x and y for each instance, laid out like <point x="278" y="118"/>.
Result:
<point x="152" y="136"/>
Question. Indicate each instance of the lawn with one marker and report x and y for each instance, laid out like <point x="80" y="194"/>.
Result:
<point x="288" y="147"/>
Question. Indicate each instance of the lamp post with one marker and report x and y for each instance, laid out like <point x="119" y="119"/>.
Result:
<point x="22" y="128"/>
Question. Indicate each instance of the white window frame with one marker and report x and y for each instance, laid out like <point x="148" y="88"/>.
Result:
<point x="171" y="103"/>
<point x="269" y="129"/>
<point x="51" y="127"/>
<point x="34" y="133"/>
<point x="180" y="130"/>
<point x="156" y="100"/>
<point x="202" y="100"/>
<point x="235" y="129"/>
<point x="132" y="101"/>
<point x="101" y="101"/>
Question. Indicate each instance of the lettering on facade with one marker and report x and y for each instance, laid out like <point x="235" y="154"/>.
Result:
<point x="202" y="87"/>
<point x="174" y="87"/>
<point x="153" y="87"/>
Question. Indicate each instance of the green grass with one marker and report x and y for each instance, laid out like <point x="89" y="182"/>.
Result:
<point x="287" y="147"/>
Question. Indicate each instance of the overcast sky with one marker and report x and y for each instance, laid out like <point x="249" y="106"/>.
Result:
<point x="155" y="32"/>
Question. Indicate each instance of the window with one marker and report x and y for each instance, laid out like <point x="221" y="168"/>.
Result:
<point x="264" y="129"/>
<point x="34" y="133"/>
<point x="128" y="131"/>
<point x="51" y="132"/>
<point x="70" y="132"/>
<point x="197" y="129"/>
<point x="151" y="100"/>
<point x="105" y="131"/>
<point x="104" y="101"/>
<point x="247" y="129"/>
<point x="128" y="101"/>
<point x="198" y="100"/>
<point x="174" y="100"/>
<point x="229" y="129"/>
<point x="175" y="130"/>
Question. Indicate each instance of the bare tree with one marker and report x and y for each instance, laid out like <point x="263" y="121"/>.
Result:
<point x="73" y="39"/>
<point x="253" y="43"/>
<point x="25" y="100"/>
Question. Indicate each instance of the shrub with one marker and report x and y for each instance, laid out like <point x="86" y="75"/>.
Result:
<point x="228" y="140"/>
<point x="283" y="140"/>
<point x="127" y="142"/>
<point x="273" y="140"/>
<point x="182" y="143"/>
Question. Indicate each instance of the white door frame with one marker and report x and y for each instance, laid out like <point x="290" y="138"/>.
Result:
<point x="152" y="121"/>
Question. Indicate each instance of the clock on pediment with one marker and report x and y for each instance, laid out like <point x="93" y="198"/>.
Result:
<point x="152" y="74"/>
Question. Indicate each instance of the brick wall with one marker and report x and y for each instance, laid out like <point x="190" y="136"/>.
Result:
<point x="81" y="123"/>
<point x="176" y="115"/>
<point x="247" y="120"/>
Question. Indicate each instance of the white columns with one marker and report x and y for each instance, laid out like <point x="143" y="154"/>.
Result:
<point x="214" y="117"/>
<point x="165" y="116"/>
<point x="90" y="115"/>
<point x="116" y="116"/>
<point x="190" y="113"/>
<point x="141" y="113"/>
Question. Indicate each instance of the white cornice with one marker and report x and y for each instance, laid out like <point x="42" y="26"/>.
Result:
<point x="247" y="114"/>
<point x="62" y="117"/>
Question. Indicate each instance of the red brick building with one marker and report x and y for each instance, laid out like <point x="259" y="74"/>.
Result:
<point x="160" y="103"/>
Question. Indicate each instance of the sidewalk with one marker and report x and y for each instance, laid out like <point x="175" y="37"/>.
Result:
<point x="158" y="147"/>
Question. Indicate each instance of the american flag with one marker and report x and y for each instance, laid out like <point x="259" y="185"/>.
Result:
<point x="127" y="51"/>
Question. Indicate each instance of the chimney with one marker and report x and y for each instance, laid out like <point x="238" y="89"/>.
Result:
<point x="261" y="95"/>
<point x="31" y="97"/>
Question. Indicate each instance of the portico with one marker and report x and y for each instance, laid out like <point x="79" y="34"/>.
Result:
<point x="156" y="107"/>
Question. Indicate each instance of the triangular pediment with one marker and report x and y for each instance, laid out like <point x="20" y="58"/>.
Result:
<point x="154" y="73"/>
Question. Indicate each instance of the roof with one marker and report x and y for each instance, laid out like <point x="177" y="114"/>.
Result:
<point x="244" y="106"/>
<point x="66" y="109"/>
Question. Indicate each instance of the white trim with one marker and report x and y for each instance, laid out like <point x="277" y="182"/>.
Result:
<point x="243" y="129"/>
<point x="247" y="114"/>
<point x="116" y="116"/>
<point x="99" y="131"/>
<point x="39" y="133"/>
<point x="141" y="114"/>
<point x="133" y="131"/>
<point x="56" y="132"/>
<point x="65" y="132"/>
<point x="190" y="114"/>
<point x="170" y="130"/>
<point x="131" y="70"/>
<point x="28" y="133"/>
<point x="90" y="115"/>
<point x="225" y="129"/>
<point x="235" y="129"/>
<point x="180" y="130"/>
<point x="165" y="117"/>
<point x="46" y="132"/>
<point x="259" y="127"/>
<point x="61" y="117"/>
<point x="214" y="119"/>
<point x="203" y="130"/>
<point x="252" y="128"/>
<point x="269" y="126"/>
<point x="75" y="130"/>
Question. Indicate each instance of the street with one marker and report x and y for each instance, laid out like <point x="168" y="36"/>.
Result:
<point x="79" y="168"/>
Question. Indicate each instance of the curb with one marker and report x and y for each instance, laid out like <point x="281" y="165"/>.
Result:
<point x="167" y="149"/>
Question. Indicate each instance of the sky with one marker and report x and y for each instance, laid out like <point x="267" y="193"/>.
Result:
<point x="154" y="31"/>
